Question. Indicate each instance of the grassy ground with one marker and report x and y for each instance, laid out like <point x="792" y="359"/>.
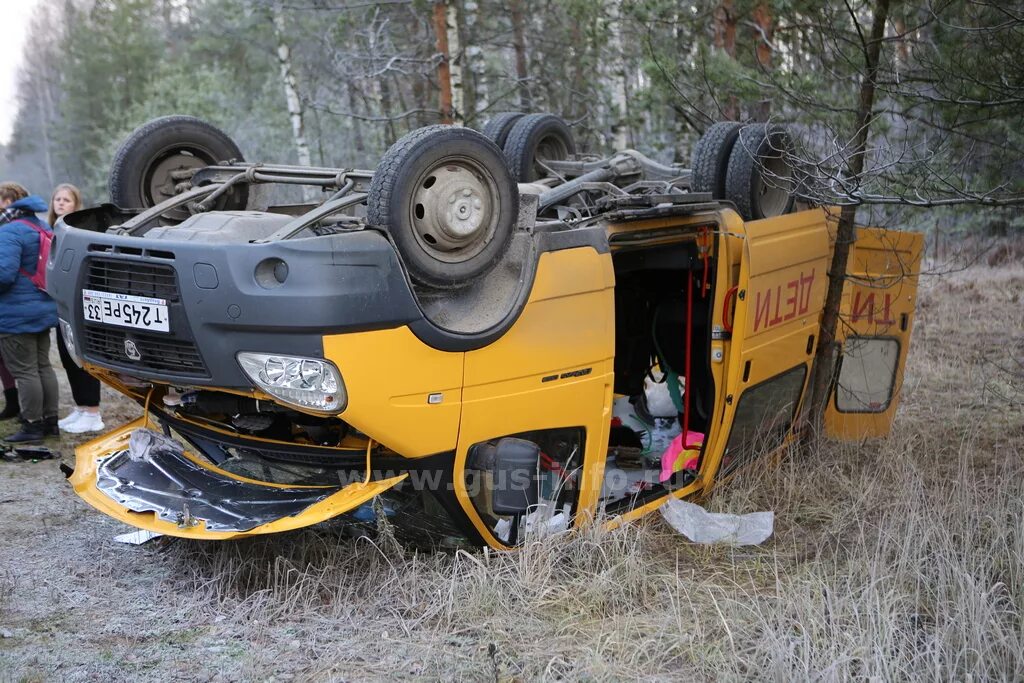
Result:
<point x="898" y="559"/>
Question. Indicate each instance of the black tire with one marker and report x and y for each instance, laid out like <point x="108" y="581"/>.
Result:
<point x="140" y="172"/>
<point x="535" y="137"/>
<point x="711" y="158"/>
<point x="419" y="178"/>
<point x="498" y="126"/>
<point x="760" y="179"/>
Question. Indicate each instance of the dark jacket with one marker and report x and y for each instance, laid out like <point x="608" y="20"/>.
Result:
<point x="23" y="308"/>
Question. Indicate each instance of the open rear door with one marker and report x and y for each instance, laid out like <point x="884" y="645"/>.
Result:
<point x="876" y="319"/>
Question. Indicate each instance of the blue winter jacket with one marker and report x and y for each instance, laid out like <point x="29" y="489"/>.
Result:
<point x="23" y="308"/>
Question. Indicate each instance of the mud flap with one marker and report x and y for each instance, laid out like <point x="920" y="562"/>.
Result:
<point x="172" y="492"/>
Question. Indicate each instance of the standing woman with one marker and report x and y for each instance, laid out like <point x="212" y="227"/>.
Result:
<point x="26" y="313"/>
<point x="84" y="387"/>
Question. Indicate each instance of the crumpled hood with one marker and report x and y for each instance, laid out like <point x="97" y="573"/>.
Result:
<point x="33" y="203"/>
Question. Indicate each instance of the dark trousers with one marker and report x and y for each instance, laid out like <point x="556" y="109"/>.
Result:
<point x="84" y="387"/>
<point x="27" y="356"/>
<point x="6" y="378"/>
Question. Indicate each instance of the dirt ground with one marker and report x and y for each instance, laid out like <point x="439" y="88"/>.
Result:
<point x="898" y="559"/>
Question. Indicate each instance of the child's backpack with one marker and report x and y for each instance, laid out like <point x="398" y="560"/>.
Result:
<point x="38" y="278"/>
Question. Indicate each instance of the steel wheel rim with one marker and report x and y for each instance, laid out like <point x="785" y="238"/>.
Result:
<point x="157" y="184"/>
<point x="454" y="210"/>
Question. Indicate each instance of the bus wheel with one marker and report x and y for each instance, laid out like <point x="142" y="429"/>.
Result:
<point x="500" y="125"/>
<point x="448" y="201"/>
<point x="711" y="158"/>
<point x="533" y="139"/>
<point x="156" y="161"/>
<point x="760" y="180"/>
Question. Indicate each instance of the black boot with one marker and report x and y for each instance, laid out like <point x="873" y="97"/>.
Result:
<point x="51" y="426"/>
<point x="30" y="432"/>
<point x="11" y="410"/>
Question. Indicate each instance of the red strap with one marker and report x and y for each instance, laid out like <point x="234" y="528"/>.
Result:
<point x="704" y="248"/>
<point x="726" y="319"/>
<point x="687" y="383"/>
<point x="42" y="233"/>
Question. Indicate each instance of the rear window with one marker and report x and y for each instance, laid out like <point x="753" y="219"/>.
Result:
<point x="867" y="375"/>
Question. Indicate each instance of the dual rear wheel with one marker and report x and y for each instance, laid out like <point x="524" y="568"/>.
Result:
<point x="749" y="165"/>
<point x="528" y="140"/>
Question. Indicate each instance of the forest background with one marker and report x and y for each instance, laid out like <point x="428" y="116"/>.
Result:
<point x="899" y="560"/>
<point x="335" y="82"/>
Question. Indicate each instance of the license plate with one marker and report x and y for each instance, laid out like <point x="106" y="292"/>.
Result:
<point x="125" y="310"/>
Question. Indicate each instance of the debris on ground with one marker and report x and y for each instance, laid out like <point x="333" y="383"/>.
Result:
<point x="26" y="453"/>
<point x="701" y="526"/>
<point x="137" y="537"/>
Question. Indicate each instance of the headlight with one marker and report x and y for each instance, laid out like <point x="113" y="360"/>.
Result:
<point x="309" y="383"/>
<point x="69" y="340"/>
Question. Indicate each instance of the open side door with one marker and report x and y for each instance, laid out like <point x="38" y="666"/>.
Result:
<point x="876" y="319"/>
<point x="781" y="290"/>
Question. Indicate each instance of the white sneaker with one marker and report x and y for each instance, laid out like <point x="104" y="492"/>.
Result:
<point x="86" y="422"/>
<point x="72" y="416"/>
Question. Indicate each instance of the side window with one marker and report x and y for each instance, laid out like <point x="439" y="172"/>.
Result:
<point x="867" y="375"/>
<point x="763" y="417"/>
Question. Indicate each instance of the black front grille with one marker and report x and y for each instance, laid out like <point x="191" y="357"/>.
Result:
<point x="130" y="277"/>
<point x="158" y="353"/>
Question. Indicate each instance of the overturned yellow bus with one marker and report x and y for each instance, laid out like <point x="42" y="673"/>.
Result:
<point x="451" y="339"/>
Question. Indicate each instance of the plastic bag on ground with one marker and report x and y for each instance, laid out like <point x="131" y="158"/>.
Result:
<point x="701" y="526"/>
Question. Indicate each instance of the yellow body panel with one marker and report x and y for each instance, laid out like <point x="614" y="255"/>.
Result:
<point x="90" y="454"/>
<point x="389" y="375"/>
<point x="566" y="326"/>
<point x="878" y="301"/>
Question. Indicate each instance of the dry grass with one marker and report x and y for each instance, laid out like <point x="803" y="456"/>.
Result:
<point x="898" y="559"/>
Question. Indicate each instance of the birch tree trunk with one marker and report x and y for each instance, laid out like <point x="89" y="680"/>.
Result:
<point x="455" y="62"/>
<point x="467" y="58"/>
<point x="46" y="99"/>
<point x="824" y="361"/>
<point x="620" y="98"/>
<point x="291" y="93"/>
<point x="475" y="65"/>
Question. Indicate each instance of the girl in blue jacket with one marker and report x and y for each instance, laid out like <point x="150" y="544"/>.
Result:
<point x="26" y="314"/>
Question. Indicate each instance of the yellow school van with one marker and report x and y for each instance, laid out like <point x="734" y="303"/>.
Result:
<point x="488" y="335"/>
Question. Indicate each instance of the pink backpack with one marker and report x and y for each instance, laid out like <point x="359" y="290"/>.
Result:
<point x="38" y="278"/>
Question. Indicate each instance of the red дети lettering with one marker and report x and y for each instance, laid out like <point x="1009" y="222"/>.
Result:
<point x="772" y="307"/>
